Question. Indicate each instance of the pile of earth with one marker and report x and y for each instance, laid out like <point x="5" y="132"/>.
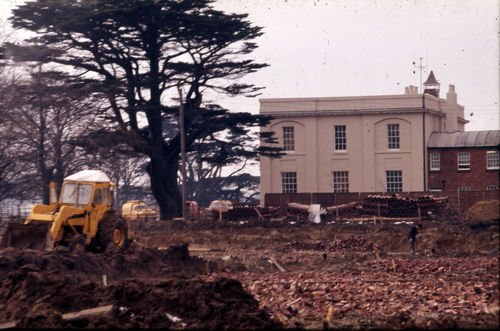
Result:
<point x="483" y="212"/>
<point x="146" y="287"/>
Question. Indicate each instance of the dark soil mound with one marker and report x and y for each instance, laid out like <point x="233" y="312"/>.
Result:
<point x="135" y="261"/>
<point x="147" y="288"/>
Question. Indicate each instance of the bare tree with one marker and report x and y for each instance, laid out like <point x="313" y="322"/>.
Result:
<point x="126" y="170"/>
<point x="42" y="114"/>
<point x="9" y="171"/>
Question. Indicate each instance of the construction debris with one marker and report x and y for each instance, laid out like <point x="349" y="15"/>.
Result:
<point x="244" y="213"/>
<point x="87" y="313"/>
<point x="276" y="264"/>
<point x="340" y="275"/>
<point x="429" y="292"/>
<point x="344" y="210"/>
<point x="396" y="206"/>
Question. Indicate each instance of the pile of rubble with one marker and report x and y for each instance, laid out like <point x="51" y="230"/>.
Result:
<point x="397" y="293"/>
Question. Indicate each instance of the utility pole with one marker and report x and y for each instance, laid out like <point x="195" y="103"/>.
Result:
<point x="183" y="152"/>
<point x="420" y="67"/>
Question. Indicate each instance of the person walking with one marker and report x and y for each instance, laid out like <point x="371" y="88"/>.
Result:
<point x="412" y="236"/>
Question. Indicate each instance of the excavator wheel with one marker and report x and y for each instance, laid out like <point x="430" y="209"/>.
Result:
<point x="77" y="244"/>
<point x="112" y="231"/>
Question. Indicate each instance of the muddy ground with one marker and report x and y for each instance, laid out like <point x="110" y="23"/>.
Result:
<point x="252" y="275"/>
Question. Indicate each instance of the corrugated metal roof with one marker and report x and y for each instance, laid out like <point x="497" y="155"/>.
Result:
<point x="465" y="139"/>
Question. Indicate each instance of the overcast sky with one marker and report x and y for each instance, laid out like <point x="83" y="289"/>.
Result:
<point x="328" y="48"/>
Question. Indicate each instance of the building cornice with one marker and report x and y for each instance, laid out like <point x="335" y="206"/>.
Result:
<point x="352" y="98"/>
<point x="345" y="98"/>
<point x="351" y="112"/>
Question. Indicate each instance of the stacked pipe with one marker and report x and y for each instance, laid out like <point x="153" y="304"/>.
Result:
<point x="298" y="209"/>
<point x="428" y="202"/>
<point x="269" y="212"/>
<point x="376" y="205"/>
<point x="397" y="206"/>
<point x="347" y="209"/>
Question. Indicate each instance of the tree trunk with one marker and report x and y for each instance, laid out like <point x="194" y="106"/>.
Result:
<point x="163" y="175"/>
<point x="45" y="179"/>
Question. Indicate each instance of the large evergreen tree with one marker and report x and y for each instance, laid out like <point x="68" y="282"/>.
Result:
<point x="140" y="52"/>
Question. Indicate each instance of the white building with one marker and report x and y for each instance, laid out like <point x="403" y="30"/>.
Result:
<point x="356" y="144"/>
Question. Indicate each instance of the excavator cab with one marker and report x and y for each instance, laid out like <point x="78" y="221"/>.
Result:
<point x="82" y="218"/>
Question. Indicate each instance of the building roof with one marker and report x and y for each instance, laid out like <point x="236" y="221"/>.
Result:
<point x="89" y="176"/>
<point x="465" y="139"/>
<point x="431" y="80"/>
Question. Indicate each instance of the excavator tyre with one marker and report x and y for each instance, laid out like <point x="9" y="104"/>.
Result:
<point x="32" y="236"/>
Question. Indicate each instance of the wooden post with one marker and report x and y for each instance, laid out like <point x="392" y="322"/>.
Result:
<point x="378" y="256"/>
<point x="393" y="265"/>
<point x="329" y="315"/>
<point x="104" y="280"/>
<point x="259" y="214"/>
<point x="218" y="267"/>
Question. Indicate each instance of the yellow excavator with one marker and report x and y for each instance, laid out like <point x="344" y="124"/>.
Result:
<point x="81" y="219"/>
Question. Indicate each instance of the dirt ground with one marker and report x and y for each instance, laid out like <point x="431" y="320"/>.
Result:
<point x="253" y="275"/>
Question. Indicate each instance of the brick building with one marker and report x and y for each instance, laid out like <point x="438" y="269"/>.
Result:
<point x="464" y="161"/>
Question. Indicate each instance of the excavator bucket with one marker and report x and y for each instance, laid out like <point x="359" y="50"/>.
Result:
<point x="32" y="235"/>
